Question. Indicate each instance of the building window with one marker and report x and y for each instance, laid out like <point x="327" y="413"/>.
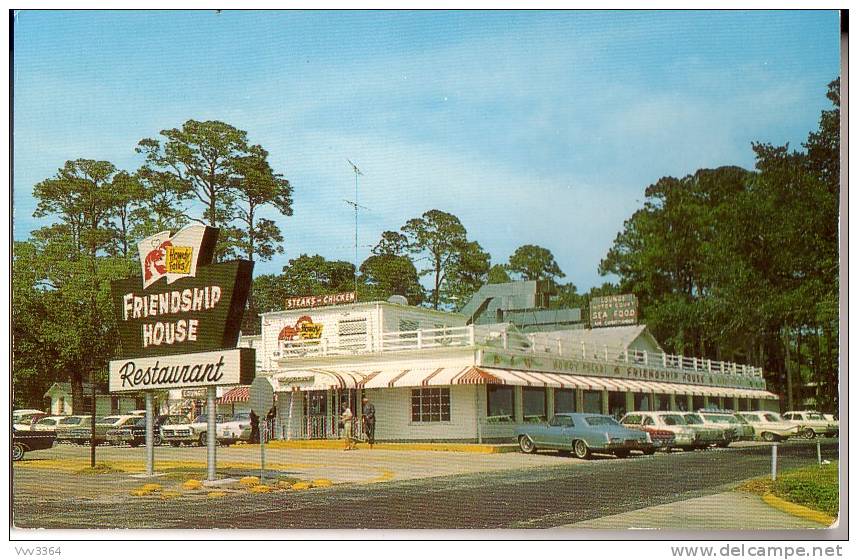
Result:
<point x="500" y="399"/>
<point x="662" y="401"/>
<point x="352" y="333"/>
<point x="534" y="404"/>
<point x="697" y="402"/>
<point x="430" y="404"/>
<point x="643" y="401"/>
<point x="61" y="405"/>
<point x="564" y="400"/>
<point x="114" y="405"/>
<point x="593" y="402"/>
<point x="616" y="404"/>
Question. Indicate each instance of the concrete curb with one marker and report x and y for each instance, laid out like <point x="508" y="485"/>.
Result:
<point x="415" y="446"/>
<point x="799" y="510"/>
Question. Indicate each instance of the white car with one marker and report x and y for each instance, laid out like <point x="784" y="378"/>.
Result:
<point x="24" y="418"/>
<point x="177" y="430"/>
<point x="686" y="437"/>
<point x="769" y="426"/>
<point x="235" y="429"/>
<point x="812" y="423"/>
<point x="48" y="423"/>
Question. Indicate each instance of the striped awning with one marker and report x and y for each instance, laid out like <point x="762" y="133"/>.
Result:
<point x="236" y="394"/>
<point x="316" y="379"/>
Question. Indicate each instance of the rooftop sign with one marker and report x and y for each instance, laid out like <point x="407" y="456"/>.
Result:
<point x="611" y="311"/>
<point x="305" y="302"/>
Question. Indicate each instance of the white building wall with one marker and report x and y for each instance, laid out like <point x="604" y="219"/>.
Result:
<point x="393" y="415"/>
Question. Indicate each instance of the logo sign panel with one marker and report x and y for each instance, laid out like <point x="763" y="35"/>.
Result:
<point x="305" y="302"/>
<point x="611" y="311"/>
<point x="235" y="366"/>
<point x="173" y="257"/>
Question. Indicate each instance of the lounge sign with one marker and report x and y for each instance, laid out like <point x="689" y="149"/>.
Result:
<point x="235" y="366"/>
<point x="182" y="303"/>
<point x="610" y="311"/>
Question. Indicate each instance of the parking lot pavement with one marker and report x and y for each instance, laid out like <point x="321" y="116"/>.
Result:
<point x="361" y="466"/>
<point x="723" y="511"/>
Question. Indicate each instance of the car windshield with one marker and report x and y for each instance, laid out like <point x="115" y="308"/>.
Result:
<point x="672" y="420"/>
<point x="203" y="418"/>
<point x="47" y="422"/>
<point x="693" y="419"/>
<point x="71" y="420"/>
<point x="177" y="420"/>
<point x="772" y="417"/>
<point x="720" y="419"/>
<point x="600" y="421"/>
<point x="241" y="416"/>
<point x="751" y="417"/>
<point x="111" y="420"/>
<point x="814" y="416"/>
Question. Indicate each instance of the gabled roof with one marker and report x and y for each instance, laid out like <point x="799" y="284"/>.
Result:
<point x="60" y="387"/>
<point x="612" y="337"/>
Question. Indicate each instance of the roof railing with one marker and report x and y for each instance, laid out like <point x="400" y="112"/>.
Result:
<point x="481" y="336"/>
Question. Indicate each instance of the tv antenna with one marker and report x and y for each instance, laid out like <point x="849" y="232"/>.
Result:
<point x="354" y="204"/>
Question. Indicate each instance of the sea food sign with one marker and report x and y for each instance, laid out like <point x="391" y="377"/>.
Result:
<point x="185" y="308"/>
<point x="610" y="311"/>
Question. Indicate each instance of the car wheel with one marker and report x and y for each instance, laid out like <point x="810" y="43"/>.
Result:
<point x="202" y="440"/>
<point x="526" y="444"/>
<point x="808" y="433"/>
<point x="156" y="440"/>
<point x="621" y="453"/>
<point x="18" y="452"/>
<point x="135" y="444"/>
<point x="580" y="449"/>
<point x="768" y="436"/>
<point x="724" y="444"/>
<point x="174" y="444"/>
<point x="651" y="451"/>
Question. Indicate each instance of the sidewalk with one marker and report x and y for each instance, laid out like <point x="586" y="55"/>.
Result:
<point x="724" y="511"/>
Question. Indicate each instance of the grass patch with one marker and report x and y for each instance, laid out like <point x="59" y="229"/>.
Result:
<point x="99" y="468"/>
<point x="816" y="487"/>
<point x="184" y="473"/>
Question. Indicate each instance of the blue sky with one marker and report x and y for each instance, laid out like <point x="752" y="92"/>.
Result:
<point x="531" y="127"/>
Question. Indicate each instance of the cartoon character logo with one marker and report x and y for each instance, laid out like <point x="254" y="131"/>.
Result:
<point x="304" y="329"/>
<point x="176" y="256"/>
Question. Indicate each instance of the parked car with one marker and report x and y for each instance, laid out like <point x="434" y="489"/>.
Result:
<point x="812" y="423"/>
<point x="583" y="434"/>
<point x="708" y="434"/>
<point x="47" y="423"/>
<point x="234" y="429"/>
<point x="832" y="419"/>
<point x="179" y="430"/>
<point x="769" y="426"/>
<point x="66" y="424"/>
<point x="684" y="437"/>
<point x="82" y="433"/>
<point x="738" y="429"/>
<point x="157" y="422"/>
<point x="133" y="433"/>
<point x="30" y="440"/>
<point x="24" y="418"/>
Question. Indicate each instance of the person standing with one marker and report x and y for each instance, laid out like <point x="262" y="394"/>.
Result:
<point x="347" y="417"/>
<point x="254" y="427"/>
<point x="368" y="421"/>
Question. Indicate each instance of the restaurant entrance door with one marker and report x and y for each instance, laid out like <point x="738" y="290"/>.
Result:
<point x="315" y="415"/>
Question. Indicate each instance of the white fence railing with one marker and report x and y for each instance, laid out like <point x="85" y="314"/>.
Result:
<point x="483" y="336"/>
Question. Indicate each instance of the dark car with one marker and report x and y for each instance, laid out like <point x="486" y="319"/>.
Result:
<point x="30" y="440"/>
<point x="134" y="432"/>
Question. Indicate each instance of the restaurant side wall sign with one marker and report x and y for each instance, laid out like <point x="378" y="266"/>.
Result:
<point x="610" y="311"/>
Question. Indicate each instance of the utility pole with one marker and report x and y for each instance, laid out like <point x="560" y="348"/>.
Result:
<point x="355" y="205"/>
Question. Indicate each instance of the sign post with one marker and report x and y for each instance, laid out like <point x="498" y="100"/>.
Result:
<point x="150" y="436"/>
<point x="261" y="401"/>
<point x="211" y="432"/>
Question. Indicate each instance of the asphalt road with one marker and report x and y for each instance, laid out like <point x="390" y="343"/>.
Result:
<point x="538" y="497"/>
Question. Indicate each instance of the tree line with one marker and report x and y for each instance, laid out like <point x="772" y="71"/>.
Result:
<point x="727" y="263"/>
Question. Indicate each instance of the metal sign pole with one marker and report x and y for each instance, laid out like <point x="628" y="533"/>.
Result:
<point x="263" y="435"/>
<point x="774" y="461"/>
<point x="211" y="431"/>
<point x="150" y="435"/>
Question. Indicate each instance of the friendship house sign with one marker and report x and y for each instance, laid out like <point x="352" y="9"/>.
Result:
<point x="179" y="323"/>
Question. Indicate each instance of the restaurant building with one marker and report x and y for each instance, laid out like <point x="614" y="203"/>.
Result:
<point x="441" y="376"/>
